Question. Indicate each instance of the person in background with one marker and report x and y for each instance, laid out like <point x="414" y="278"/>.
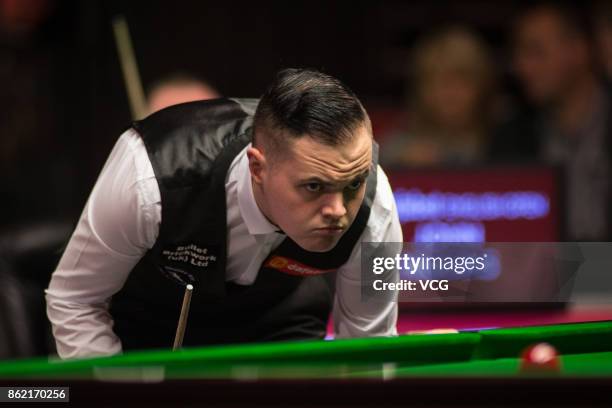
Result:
<point x="569" y="126"/>
<point x="178" y="88"/>
<point x="449" y="109"/>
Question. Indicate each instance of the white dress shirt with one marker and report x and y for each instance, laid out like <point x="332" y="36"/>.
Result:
<point x="120" y="222"/>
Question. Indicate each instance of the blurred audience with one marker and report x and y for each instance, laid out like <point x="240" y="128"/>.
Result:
<point x="569" y="124"/>
<point x="450" y="103"/>
<point x="178" y="88"/>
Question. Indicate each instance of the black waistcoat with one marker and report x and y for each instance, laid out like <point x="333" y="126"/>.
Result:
<point x="191" y="147"/>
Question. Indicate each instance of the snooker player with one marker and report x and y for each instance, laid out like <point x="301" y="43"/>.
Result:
<point x="260" y="205"/>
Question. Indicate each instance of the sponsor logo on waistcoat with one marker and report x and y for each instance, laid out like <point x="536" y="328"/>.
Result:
<point x="293" y="267"/>
<point x="191" y="255"/>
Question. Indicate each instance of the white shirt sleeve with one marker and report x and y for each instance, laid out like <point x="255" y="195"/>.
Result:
<point x="352" y="316"/>
<point x="119" y="223"/>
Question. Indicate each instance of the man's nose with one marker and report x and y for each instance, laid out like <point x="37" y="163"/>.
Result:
<point x="333" y="206"/>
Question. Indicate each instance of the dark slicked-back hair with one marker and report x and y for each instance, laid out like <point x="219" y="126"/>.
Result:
<point x="302" y="102"/>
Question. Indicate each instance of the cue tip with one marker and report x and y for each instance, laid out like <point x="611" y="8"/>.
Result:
<point x="189" y="287"/>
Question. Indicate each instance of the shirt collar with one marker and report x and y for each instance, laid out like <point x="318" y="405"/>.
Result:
<point x="256" y="222"/>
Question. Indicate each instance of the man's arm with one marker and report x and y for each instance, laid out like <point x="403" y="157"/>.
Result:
<point x="352" y="316"/>
<point x="119" y="223"/>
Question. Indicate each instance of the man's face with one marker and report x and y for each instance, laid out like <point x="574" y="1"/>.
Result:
<point x="314" y="192"/>
<point x="546" y="57"/>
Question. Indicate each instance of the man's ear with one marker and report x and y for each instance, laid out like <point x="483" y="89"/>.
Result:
<point x="257" y="164"/>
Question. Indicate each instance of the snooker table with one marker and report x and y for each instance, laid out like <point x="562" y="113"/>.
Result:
<point x="471" y="368"/>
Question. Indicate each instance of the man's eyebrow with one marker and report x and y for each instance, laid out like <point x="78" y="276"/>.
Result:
<point x="365" y="173"/>
<point x="316" y="179"/>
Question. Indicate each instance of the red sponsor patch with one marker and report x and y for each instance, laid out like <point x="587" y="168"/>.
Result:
<point x="291" y="267"/>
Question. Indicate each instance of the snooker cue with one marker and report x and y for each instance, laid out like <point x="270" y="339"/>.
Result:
<point x="129" y="68"/>
<point x="182" y="324"/>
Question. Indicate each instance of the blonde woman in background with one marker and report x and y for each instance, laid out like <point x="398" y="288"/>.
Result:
<point x="448" y="122"/>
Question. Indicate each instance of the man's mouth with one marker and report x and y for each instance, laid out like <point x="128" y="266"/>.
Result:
<point x="330" y="230"/>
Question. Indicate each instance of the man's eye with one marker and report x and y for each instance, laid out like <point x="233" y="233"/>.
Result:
<point x="355" y="185"/>
<point x="313" y="187"/>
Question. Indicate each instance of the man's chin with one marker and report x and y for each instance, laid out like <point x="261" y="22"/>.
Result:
<point x="318" y="245"/>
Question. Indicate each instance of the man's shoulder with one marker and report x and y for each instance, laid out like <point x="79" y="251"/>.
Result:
<point x="383" y="209"/>
<point x="217" y="121"/>
<point x="216" y="130"/>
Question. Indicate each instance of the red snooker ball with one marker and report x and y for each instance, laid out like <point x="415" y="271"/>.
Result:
<point x="540" y="358"/>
